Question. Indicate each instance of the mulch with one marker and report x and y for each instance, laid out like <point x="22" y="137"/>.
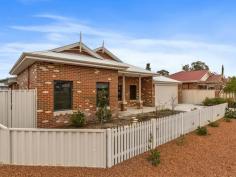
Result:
<point x="213" y="155"/>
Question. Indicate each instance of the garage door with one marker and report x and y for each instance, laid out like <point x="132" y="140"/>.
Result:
<point x="164" y="94"/>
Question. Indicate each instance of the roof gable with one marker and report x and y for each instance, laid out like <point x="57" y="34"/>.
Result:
<point x="77" y="48"/>
<point x="106" y="54"/>
<point x="189" y="76"/>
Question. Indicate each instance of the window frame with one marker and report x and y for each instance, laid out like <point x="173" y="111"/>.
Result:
<point x="108" y="83"/>
<point x="54" y="95"/>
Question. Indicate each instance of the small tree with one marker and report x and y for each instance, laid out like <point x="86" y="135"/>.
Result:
<point x="103" y="113"/>
<point x="173" y="103"/>
<point x="186" y="67"/>
<point x="199" y="65"/>
<point x="163" y="72"/>
<point x="195" y="66"/>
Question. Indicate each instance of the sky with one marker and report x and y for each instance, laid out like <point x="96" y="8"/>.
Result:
<point x="166" y="33"/>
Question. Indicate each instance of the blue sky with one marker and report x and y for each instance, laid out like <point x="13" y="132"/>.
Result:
<point x="166" y="33"/>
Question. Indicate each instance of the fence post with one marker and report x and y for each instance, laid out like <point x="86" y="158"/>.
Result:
<point x="212" y="114"/>
<point x="154" y="133"/>
<point x="109" y="145"/>
<point x="200" y="117"/>
<point x="182" y="123"/>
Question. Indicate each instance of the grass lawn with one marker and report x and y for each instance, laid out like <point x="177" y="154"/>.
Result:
<point x="197" y="156"/>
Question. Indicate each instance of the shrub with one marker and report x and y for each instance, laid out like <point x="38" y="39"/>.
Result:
<point x="231" y="103"/>
<point x="213" y="101"/>
<point x="213" y="124"/>
<point x="154" y="157"/>
<point x="103" y="113"/>
<point x="229" y="113"/>
<point x="78" y="119"/>
<point x="201" y="131"/>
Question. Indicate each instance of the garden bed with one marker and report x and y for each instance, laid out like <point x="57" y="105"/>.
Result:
<point x="127" y="120"/>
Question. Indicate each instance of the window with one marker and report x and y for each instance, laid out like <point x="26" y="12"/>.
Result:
<point x="62" y="95"/>
<point x="133" y="92"/>
<point x="119" y="92"/>
<point x="102" y="89"/>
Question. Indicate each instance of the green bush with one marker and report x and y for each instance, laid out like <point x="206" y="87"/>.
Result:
<point x="103" y="114"/>
<point x="231" y="103"/>
<point x="230" y="113"/>
<point x="213" y="124"/>
<point x="78" y="119"/>
<point x="201" y="131"/>
<point x="154" y="157"/>
<point x="213" y="101"/>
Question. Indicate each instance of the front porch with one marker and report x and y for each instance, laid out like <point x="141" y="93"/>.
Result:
<point x="135" y="91"/>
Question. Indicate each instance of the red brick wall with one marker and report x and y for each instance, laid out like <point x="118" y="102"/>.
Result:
<point x="27" y="79"/>
<point x="189" y="86"/>
<point x="130" y="81"/>
<point x="147" y="92"/>
<point x="84" y="89"/>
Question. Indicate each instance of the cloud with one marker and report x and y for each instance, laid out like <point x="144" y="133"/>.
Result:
<point x="166" y="54"/>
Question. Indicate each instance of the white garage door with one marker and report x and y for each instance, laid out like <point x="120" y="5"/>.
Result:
<point x="165" y="94"/>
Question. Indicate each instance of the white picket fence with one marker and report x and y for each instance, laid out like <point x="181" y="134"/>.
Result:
<point x="18" y="108"/>
<point x="97" y="147"/>
<point x="129" y="141"/>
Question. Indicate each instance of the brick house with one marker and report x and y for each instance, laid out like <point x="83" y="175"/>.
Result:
<point x="69" y="78"/>
<point x="202" y="79"/>
<point x="199" y="80"/>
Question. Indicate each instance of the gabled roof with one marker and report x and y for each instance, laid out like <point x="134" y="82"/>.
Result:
<point x="28" y="59"/>
<point x="106" y="51"/>
<point x="63" y="55"/>
<point x="165" y="80"/>
<point x="76" y="45"/>
<point x="215" y="78"/>
<point x="189" y="76"/>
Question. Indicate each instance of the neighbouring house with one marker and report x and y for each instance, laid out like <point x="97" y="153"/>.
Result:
<point x="199" y="84"/>
<point x="70" y="77"/>
<point x="166" y="92"/>
<point x="202" y="79"/>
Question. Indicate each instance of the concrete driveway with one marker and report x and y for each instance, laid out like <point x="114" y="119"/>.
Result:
<point x="187" y="107"/>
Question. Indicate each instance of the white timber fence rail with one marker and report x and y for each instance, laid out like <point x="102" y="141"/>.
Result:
<point x="18" y="108"/>
<point x="97" y="147"/>
<point x="128" y="141"/>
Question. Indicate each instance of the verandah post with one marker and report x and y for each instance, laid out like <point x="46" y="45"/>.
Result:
<point x="182" y="123"/>
<point x="154" y="133"/>
<point x="109" y="148"/>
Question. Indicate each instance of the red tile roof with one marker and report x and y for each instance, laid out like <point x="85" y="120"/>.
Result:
<point x="215" y="78"/>
<point x="185" y="76"/>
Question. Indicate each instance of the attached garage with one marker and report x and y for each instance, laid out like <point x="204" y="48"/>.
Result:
<point x="166" y="92"/>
